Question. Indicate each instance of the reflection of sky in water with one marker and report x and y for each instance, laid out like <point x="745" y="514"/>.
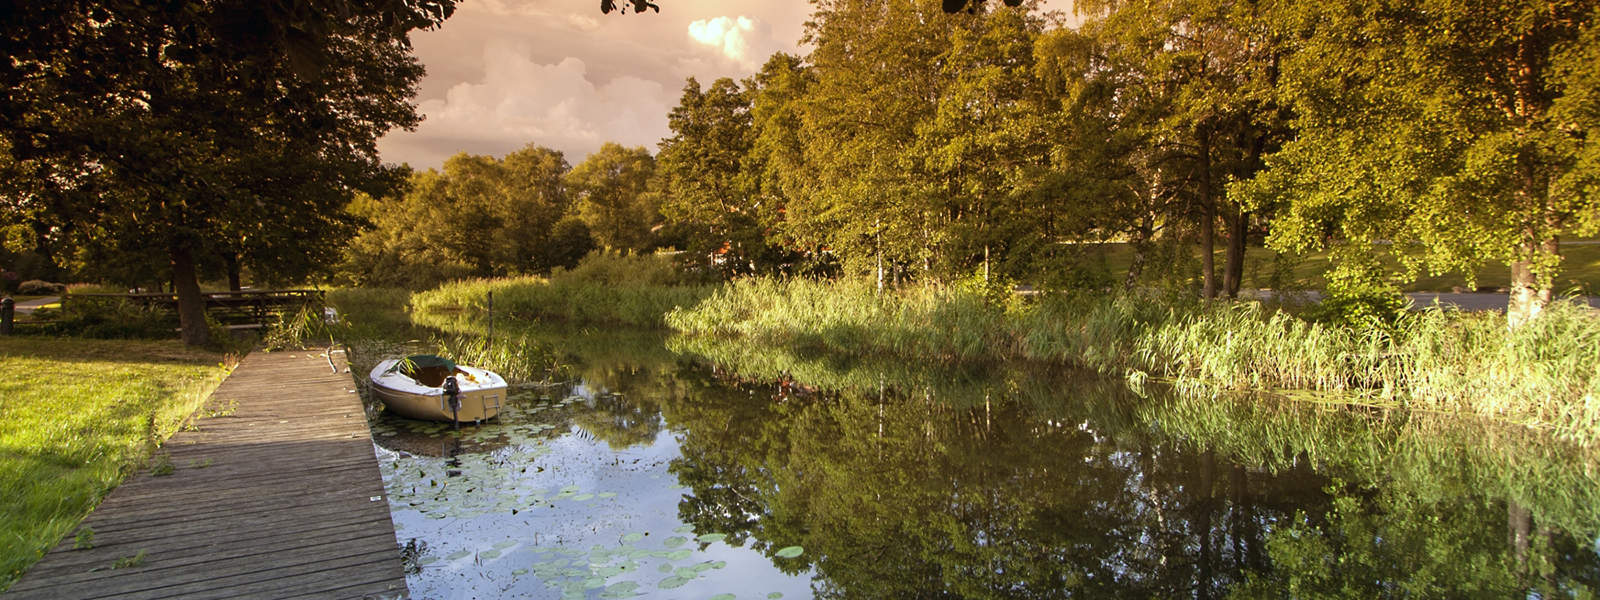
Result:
<point x="589" y="521"/>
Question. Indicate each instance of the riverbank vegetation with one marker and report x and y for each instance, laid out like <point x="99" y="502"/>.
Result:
<point x="1544" y="375"/>
<point x="607" y="288"/>
<point x="80" y="415"/>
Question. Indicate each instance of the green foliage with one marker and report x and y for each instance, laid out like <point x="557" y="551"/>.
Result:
<point x="1538" y="376"/>
<point x="110" y="319"/>
<point x="604" y="288"/>
<point x="1449" y="129"/>
<point x="164" y="134"/>
<point x="84" y="539"/>
<point x="612" y="196"/>
<point x="306" y="326"/>
<point x="1358" y="297"/>
<point x="35" y="287"/>
<point x="80" y="416"/>
<point x="479" y="217"/>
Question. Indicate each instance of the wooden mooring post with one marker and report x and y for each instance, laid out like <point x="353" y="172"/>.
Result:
<point x="8" y="309"/>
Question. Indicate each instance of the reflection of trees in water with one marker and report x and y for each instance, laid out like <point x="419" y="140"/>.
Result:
<point x="1024" y="486"/>
<point x="915" y="480"/>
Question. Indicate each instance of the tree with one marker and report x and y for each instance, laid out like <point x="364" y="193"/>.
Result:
<point x="1202" y="73"/>
<point x="611" y="192"/>
<point x="481" y="216"/>
<point x="1461" y="132"/>
<point x="193" y="128"/>
<point x="703" y="181"/>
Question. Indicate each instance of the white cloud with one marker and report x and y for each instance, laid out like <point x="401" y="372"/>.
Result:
<point x="520" y="101"/>
<point x="726" y="34"/>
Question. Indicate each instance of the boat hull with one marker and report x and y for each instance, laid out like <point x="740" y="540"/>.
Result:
<point x="482" y="393"/>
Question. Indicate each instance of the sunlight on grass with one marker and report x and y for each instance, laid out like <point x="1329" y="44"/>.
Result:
<point x="76" y="417"/>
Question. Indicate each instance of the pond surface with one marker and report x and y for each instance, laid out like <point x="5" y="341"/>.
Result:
<point x="680" y="468"/>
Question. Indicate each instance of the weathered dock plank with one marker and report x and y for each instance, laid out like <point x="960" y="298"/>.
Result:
<point x="275" y="493"/>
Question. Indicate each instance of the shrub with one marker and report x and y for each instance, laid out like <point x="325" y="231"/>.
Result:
<point x="37" y="287"/>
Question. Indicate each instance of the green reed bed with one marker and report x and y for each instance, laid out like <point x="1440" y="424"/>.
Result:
<point x="603" y="289"/>
<point x="1545" y="375"/>
<point x="80" y="415"/>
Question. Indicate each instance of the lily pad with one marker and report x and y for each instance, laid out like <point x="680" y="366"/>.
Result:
<point x="789" y="552"/>
<point x="458" y="555"/>
<point x="775" y="595"/>
<point x="672" y="582"/>
<point x="724" y="597"/>
<point x="712" y="537"/>
<point x="583" y="497"/>
<point x="632" y="537"/>
<point x="675" y="541"/>
<point x="621" y="589"/>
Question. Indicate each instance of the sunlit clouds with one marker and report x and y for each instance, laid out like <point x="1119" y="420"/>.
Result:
<point x="726" y="34"/>
<point x="506" y="73"/>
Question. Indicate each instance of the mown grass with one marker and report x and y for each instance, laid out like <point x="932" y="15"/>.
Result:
<point x="76" y="417"/>
<point x="602" y="289"/>
<point x="1580" y="270"/>
<point x="1545" y="375"/>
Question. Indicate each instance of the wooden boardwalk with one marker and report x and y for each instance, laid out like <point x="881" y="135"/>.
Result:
<point x="277" y="495"/>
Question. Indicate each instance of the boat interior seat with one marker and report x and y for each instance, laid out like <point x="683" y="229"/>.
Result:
<point x="432" y="376"/>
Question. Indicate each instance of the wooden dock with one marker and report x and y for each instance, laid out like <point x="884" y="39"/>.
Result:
<point x="276" y="495"/>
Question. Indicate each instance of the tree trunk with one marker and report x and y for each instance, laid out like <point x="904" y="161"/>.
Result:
<point x="1208" y="217"/>
<point x="1528" y="296"/>
<point x="1233" y="266"/>
<point x="191" y="305"/>
<point x="1519" y="522"/>
<point x="231" y="260"/>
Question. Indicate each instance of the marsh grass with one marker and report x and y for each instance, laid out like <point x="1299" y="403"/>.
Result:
<point x="603" y="289"/>
<point x="1546" y="375"/>
<point x="79" y="416"/>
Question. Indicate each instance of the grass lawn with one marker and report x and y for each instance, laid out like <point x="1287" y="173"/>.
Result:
<point x="76" y="416"/>
<point x="1580" y="269"/>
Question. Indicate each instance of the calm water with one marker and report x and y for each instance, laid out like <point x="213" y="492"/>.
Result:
<point x="693" y="469"/>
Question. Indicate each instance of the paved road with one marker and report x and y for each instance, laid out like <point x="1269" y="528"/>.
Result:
<point x="31" y="305"/>
<point x="1420" y="300"/>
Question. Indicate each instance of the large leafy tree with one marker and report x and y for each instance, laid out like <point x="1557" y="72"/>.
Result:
<point x="703" y="180"/>
<point x="611" y="193"/>
<point x="196" y="128"/>
<point x="1192" y="82"/>
<point x="1462" y="132"/>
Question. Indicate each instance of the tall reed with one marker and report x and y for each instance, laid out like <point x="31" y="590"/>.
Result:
<point x="604" y="288"/>
<point x="1545" y="375"/>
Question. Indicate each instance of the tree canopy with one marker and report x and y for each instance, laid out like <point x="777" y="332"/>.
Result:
<point x="200" y="128"/>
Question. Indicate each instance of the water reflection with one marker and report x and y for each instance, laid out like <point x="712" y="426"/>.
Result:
<point x="808" y="476"/>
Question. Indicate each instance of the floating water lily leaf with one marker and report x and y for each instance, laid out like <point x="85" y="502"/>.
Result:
<point x="665" y="568"/>
<point x="632" y="537"/>
<point x="608" y="571"/>
<point x="680" y="554"/>
<point x="675" y="541"/>
<point x="672" y="582"/>
<point x="712" y="537"/>
<point x="724" y="597"/>
<point x="594" y="583"/>
<point x="459" y="554"/>
<point x="775" y="595"/>
<point x="518" y="572"/>
<point x="571" y="489"/>
<point x="790" y="552"/>
<point x="505" y="544"/>
<point x="583" y="497"/>
<point x="684" y="529"/>
<point x="489" y="554"/>
<point x="608" y="494"/>
<point x="621" y="589"/>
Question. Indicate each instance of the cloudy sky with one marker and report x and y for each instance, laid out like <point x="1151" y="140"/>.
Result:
<point x="506" y="73"/>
